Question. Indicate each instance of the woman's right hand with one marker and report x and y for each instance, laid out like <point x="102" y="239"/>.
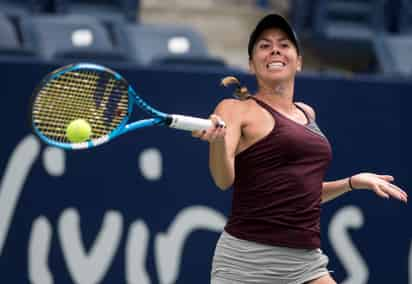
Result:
<point x="215" y="133"/>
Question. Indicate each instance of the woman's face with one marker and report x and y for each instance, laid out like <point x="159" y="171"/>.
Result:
<point x="274" y="57"/>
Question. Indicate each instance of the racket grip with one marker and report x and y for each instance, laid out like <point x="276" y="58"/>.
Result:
<point x="189" y="123"/>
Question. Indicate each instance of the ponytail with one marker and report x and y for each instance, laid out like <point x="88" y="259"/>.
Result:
<point x="241" y="92"/>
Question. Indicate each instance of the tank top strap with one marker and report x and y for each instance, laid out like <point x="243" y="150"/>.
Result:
<point x="276" y="114"/>
<point x="267" y="107"/>
<point x="308" y="117"/>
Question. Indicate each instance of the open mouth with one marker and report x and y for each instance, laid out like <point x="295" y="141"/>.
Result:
<point x="276" y="65"/>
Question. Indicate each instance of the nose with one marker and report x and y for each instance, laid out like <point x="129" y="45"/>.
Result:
<point x="275" y="51"/>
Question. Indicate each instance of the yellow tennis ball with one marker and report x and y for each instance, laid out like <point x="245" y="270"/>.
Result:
<point x="78" y="130"/>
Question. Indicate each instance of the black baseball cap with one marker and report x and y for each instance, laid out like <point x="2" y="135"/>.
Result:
<point x="272" y="21"/>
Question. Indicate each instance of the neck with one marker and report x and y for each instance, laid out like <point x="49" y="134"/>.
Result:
<point x="279" y="95"/>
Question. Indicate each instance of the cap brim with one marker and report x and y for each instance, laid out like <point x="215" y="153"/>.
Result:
<point x="273" y="21"/>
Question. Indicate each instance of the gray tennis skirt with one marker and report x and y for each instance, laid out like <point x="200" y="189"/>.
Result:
<point x="239" y="261"/>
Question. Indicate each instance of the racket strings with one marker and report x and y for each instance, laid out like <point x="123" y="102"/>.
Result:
<point x="94" y="96"/>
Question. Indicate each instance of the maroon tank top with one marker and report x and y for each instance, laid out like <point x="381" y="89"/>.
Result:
<point x="278" y="185"/>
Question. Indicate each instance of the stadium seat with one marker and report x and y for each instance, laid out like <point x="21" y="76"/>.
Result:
<point x="10" y="44"/>
<point x="392" y="15"/>
<point x="405" y="17"/>
<point x="344" y="29"/>
<point x="71" y="37"/>
<point x="301" y="17"/>
<point x="105" y="10"/>
<point x="166" y="45"/>
<point x="393" y="54"/>
<point x="19" y="8"/>
<point x="353" y="18"/>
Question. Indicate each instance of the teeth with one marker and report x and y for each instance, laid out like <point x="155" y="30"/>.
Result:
<point x="276" y="65"/>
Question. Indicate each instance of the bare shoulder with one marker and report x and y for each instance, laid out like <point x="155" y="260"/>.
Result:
<point x="231" y="106"/>
<point x="233" y="111"/>
<point x="308" y="109"/>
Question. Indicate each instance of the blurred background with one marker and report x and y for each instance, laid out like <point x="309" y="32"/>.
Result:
<point x="143" y="209"/>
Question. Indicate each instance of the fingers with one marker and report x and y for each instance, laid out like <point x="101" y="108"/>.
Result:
<point x="388" y="190"/>
<point x="217" y="121"/>
<point x="398" y="189"/>
<point x="396" y="192"/>
<point x="214" y="133"/>
<point x="382" y="185"/>
<point x="380" y="192"/>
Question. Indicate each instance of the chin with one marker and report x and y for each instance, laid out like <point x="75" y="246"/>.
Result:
<point x="279" y="77"/>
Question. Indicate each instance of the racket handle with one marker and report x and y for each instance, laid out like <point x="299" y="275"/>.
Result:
<point x="189" y="123"/>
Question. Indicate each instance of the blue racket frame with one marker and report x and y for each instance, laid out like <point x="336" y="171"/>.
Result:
<point x="158" y="117"/>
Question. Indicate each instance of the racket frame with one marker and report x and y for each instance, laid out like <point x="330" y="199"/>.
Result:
<point x="158" y="118"/>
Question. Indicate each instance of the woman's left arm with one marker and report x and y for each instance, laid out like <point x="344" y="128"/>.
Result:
<point x="380" y="184"/>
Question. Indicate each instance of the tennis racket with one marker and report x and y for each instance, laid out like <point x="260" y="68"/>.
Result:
<point x="100" y="96"/>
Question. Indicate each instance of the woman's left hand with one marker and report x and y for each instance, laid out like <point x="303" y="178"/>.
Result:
<point x="381" y="184"/>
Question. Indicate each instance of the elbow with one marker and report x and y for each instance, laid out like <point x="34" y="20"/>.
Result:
<point x="223" y="183"/>
<point x="223" y="179"/>
<point x="325" y="198"/>
<point x="223" y="186"/>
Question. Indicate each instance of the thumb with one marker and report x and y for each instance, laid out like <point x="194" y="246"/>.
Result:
<point x="197" y="133"/>
<point x="388" y="178"/>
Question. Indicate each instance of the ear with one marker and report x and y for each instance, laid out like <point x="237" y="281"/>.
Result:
<point x="299" y="63"/>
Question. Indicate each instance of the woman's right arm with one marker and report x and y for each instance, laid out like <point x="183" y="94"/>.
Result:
<point x="223" y="141"/>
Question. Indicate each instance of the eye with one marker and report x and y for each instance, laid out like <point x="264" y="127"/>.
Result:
<point x="264" y="45"/>
<point x="284" y="44"/>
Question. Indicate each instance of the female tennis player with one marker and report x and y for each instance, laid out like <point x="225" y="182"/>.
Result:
<point x="275" y="156"/>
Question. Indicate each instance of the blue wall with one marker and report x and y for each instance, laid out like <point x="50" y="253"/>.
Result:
<point x="143" y="209"/>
